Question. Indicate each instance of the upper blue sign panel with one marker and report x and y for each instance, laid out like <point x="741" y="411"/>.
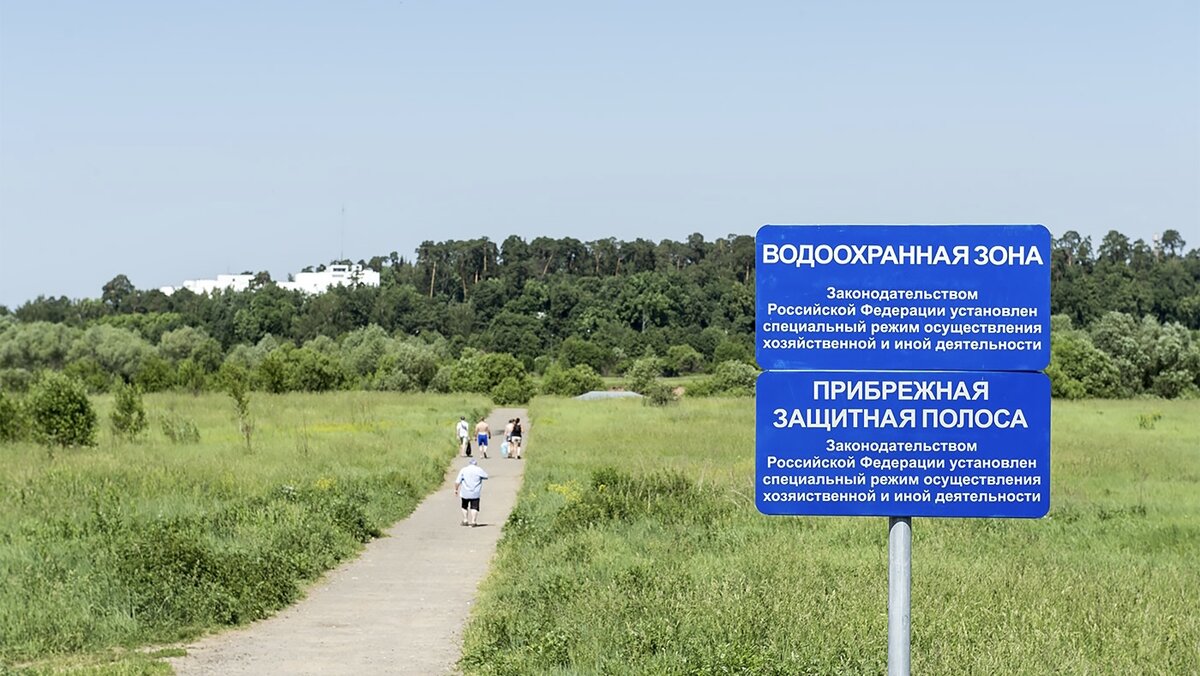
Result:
<point x="903" y="297"/>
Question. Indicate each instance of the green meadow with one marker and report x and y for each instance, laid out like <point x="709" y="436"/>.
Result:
<point x="636" y="548"/>
<point x="108" y="548"/>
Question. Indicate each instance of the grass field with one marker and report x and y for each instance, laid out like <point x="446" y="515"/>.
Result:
<point x="636" y="548"/>
<point x="107" y="548"/>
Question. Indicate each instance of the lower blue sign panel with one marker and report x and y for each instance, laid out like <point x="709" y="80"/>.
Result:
<point x="892" y="443"/>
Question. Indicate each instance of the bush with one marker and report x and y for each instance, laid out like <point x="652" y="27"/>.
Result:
<point x="658" y="394"/>
<point x="191" y="376"/>
<point x="272" y="372"/>
<point x="89" y="374"/>
<point x="236" y="384"/>
<point x="575" y="351"/>
<point x="644" y="373"/>
<point x="60" y="412"/>
<point x="733" y="350"/>
<point x="128" y="416"/>
<point x="310" y="370"/>
<point x="441" y="381"/>
<point x="15" y="380"/>
<point x="178" y="429"/>
<point x="1079" y="370"/>
<point x="393" y="380"/>
<point x="362" y="350"/>
<point x="513" y="391"/>
<point x="155" y="374"/>
<point x="481" y="373"/>
<point x="542" y="364"/>
<point x="571" y="382"/>
<point x="13" y="425"/>
<point x="683" y="359"/>
<point x="408" y="362"/>
<point x="730" y="379"/>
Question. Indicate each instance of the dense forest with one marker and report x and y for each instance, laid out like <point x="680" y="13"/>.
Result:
<point x="1126" y="317"/>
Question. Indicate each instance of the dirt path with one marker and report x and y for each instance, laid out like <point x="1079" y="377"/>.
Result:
<point x="399" y="608"/>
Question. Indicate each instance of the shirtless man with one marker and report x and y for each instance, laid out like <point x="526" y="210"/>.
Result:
<point x="508" y="437"/>
<point x="482" y="433"/>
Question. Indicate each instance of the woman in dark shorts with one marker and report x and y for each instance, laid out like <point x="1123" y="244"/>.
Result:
<point x="516" y="438"/>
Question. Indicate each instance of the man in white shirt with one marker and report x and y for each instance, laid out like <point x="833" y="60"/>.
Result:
<point x="468" y="487"/>
<point x="463" y="430"/>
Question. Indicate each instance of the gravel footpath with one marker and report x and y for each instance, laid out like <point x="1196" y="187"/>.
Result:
<point x="399" y="608"/>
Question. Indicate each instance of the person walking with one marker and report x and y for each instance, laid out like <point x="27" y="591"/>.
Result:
<point x="483" y="432"/>
<point x="461" y="430"/>
<point x="517" y="439"/>
<point x="507" y="450"/>
<point x="469" y="487"/>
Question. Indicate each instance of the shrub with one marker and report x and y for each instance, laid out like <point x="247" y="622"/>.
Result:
<point x="441" y="381"/>
<point x="272" y="372"/>
<point x="189" y="342"/>
<point x="571" y="382"/>
<point x="409" y="362"/>
<point x="683" y="359"/>
<point x="178" y="429"/>
<point x="616" y="496"/>
<point x="89" y="374"/>
<point x="128" y="416"/>
<point x="513" y="391"/>
<point x="644" y="373"/>
<point x="362" y="349"/>
<point x="60" y="412"/>
<point x="481" y="373"/>
<point x="542" y="364"/>
<point x="575" y="351"/>
<point x="733" y="350"/>
<point x="393" y="380"/>
<point x="191" y="376"/>
<point x="658" y="394"/>
<point x="155" y="374"/>
<point x="730" y="379"/>
<point x="1078" y="369"/>
<point x="236" y="384"/>
<point x="15" y="380"/>
<point x="13" y="425"/>
<point x="310" y="370"/>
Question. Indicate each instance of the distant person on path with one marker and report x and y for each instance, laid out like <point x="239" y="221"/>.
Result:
<point x="468" y="488"/>
<point x="516" y="440"/>
<point x="482" y="434"/>
<point x="461" y="429"/>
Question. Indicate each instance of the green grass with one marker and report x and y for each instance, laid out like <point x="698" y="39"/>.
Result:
<point x="107" y="548"/>
<point x="635" y="547"/>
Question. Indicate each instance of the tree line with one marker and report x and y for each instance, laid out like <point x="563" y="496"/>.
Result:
<point x="688" y="306"/>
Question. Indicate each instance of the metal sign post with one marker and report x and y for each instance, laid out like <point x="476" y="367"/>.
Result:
<point x="899" y="594"/>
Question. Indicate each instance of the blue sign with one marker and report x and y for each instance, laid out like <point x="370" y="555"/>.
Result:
<point x="890" y="443"/>
<point x="917" y="297"/>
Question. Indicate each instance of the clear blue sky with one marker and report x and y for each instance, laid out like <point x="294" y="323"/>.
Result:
<point x="168" y="140"/>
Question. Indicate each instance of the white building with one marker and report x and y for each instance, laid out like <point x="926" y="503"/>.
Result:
<point x="308" y="282"/>
<point x="334" y="275"/>
<point x="222" y="282"/>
